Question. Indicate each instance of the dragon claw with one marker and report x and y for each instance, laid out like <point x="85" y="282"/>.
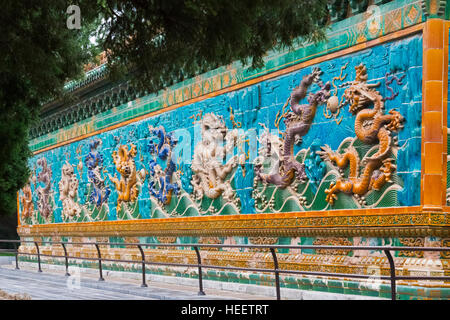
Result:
<point x="330" y="193"/>
<point x="396" y="122"/>
<point x="331" y="197"/>
<point x="316" y="72"/>
<point x="325" y="153"/>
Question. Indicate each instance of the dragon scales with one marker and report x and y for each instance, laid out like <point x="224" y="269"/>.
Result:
<point x="130" y="179"/>
<point x="161" y="186"/>
<point x="68" y="190"/>
<point x="372" y="127"/>
<point x="298" y="122"/>
<point x="45" y="193"/>
<point x="210" y="174"/>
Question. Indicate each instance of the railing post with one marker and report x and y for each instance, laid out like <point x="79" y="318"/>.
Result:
<point x="17" y="255"/>
<point x="200" y="276"/>
<point x="99" y="263"/>
<point x="67" y="260"/>
<point x="392" y="267"/>
<point x="277" y="273"/>
<point x="143" y="266"/>
<point x="39" y="256"/>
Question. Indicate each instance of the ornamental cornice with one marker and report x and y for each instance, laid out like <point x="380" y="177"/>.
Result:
<point x="411" y="223"/>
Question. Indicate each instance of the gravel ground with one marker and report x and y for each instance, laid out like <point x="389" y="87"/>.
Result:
<point x="6" y="296"/>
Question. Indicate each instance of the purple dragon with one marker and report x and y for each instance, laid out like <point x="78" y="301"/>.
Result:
<point x="297" y="121"/>
<point x="44" y="193"/>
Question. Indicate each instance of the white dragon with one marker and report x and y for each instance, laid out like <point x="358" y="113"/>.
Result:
<point x="209" y="170"/>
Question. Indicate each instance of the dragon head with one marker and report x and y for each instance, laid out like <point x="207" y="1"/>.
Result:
<point x="213" y="127"/>
<point x="123" y="159"/>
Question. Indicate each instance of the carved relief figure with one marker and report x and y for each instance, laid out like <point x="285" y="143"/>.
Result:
<point x="270" y="150"/>
<point x="126" y="186"/>
<point x="163" y="178"/>
<point x="27" y="201"/>
<point x="44" y="193"/>
<point x="297" y="121"/>
<point x="373" y="127"/>
<point x="68" y="192"/>
<point x="94" y="162"/>
<point x="209" y="171"/>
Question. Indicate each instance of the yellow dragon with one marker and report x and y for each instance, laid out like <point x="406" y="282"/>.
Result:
<point x="372" y="126"/>
<point x="125" y="165"/>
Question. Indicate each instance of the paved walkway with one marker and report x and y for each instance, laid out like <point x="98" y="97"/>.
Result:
<point x="56" y="286"/>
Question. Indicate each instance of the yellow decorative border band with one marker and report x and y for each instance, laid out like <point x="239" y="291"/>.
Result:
<point x="409" y="221"/>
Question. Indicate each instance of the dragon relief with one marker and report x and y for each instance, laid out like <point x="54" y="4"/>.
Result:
<point x="372" y="126"/>
<point x="68" y="192"/>
<point x="161" y="186"/>
<point x="27" y="201"/>
<point x="94" y="162"/>
<point x="207" y="164"/>
<point x="298" y="122"/>
<point x="45" y="193"/>
<point x="130" y="179"/>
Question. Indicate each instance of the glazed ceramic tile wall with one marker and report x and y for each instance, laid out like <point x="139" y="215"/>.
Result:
<point x="346" y="137"/>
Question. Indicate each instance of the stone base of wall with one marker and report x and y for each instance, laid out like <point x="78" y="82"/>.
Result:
<point x="338" y="261"/>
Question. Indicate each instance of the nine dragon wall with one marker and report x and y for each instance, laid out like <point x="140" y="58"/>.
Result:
<point x="74" y="182"/>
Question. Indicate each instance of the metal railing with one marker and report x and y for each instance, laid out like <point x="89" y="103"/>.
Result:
<point x="393" y="277"/>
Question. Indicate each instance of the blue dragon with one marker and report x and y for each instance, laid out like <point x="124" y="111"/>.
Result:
<point x="94" y="163"/>
<point x="163" y="151"/>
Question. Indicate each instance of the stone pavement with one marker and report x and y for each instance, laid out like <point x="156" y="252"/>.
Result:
<point x="56" y="286"/>
<point x="52" y="284"/>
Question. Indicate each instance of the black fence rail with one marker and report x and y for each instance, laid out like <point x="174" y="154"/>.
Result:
<point x="393" y="277"/>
